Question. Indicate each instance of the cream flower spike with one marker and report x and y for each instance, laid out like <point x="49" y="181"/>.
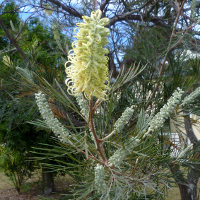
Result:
<point x="88" y="70"/>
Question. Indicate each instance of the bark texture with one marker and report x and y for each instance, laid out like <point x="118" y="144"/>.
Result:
<point x="48" y="182"/>
<point x="188" y="186"/>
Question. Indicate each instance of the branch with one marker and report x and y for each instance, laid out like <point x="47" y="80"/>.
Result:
<point x="169" y="49"/>
<point x="93" y="158"/>
<point x="24" y="25"/>
<point x="171" y="38"/>
<point x="189" y="130"/>
<point x="12" y="40"/>
<point x="139" y="17"/>
<point x="68" y="9"/>
<point x="182" y="12"/>
<point x="98" y="141"/>
<point x="103" y="5"/>
<point x="128" y="16"/>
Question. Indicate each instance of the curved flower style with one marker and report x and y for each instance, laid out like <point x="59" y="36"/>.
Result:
<point x="88" y="71"/>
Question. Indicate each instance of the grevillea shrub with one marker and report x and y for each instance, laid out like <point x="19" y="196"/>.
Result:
<point x="124" y="157"/>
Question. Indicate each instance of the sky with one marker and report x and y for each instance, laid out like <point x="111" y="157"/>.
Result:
<point x="23" y="16"/>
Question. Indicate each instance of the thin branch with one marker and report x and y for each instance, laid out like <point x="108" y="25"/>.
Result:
<point x="139" y="17"/>
<point x="12" y="40"/>
<point x="68" y="9"/>
<point x="98" y="141"/>
<point x="93" y="158"/>
<point x="94" y="4"/>
<point x="98" y="102"/>
<point x="181" y="38"/>
<point x="171" y="38"/>
<point x="182" y="12"/>
<point x="103" y="5"/>
<point x="168" y="50"/>
<point x="24" y="25"/>
<point x="128" y="16"/>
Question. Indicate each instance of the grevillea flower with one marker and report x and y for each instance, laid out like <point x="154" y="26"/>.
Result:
<point x="190" y="98"/>
<point x="60" y="131"/>
<point x="159" y="119"/>
<point x="99" y="179"/>
<point x="88" y="70"/>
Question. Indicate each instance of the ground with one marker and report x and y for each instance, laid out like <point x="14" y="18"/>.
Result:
<point x="32" y="189"/>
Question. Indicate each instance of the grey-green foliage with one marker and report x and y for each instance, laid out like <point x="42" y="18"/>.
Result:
<point x="136" y="164"/>
<point x="132" y="159"/>
<point x="123" y="151"/>
<point x="122" y="155"/>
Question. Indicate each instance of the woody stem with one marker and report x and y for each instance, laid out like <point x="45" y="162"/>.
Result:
<point x="91" y="125"/>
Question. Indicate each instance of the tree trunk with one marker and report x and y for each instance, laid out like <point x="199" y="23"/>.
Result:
<point x="188" y="188"/>
<point x="47" y="181"/>
<point x="188" y="192"/>
<point x="184" y="192"/>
